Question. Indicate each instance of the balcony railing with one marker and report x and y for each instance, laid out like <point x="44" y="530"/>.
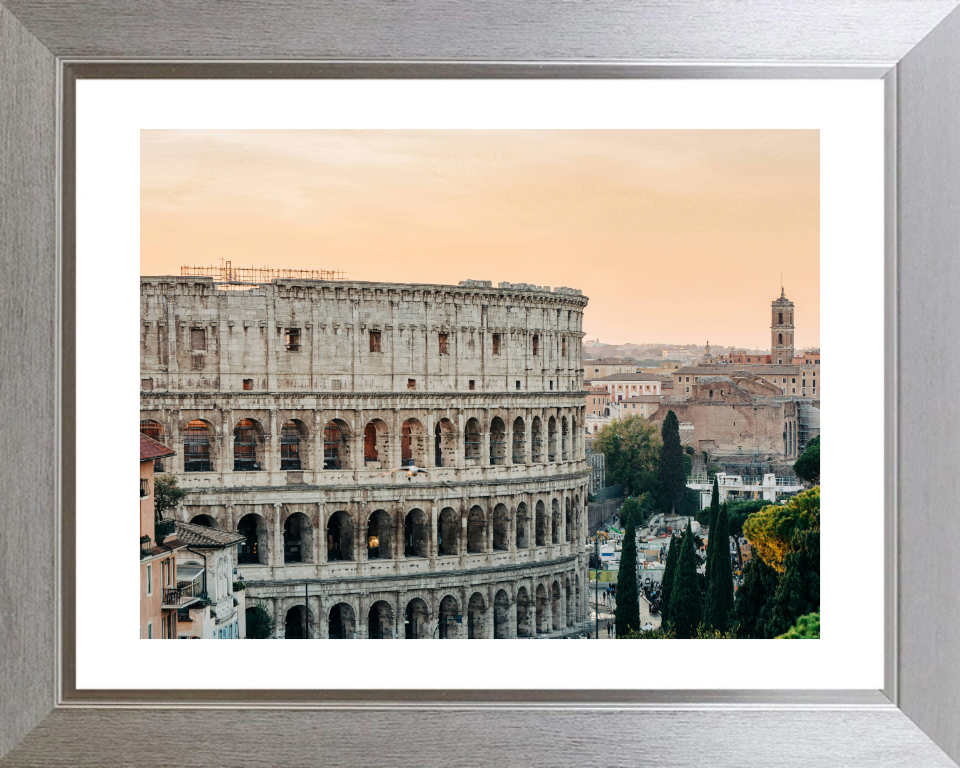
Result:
<point x="184" y="593"/>
<point x="146" y="547"/>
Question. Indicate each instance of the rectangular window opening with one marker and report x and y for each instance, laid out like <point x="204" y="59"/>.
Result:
<point x="473" y="384"/>
<point x="198" y="339"/>
<point x="374" y="341"/>
<point x="518" y="384"/>
<point x="146" y="385"/>
<point x="536" y="345"/>
<point x="411" y="383"/>
<point x="293" y="339"/>
<point x="443" y="343"/>
<point x="247" y="384"/>
<point x="496" y="343"/>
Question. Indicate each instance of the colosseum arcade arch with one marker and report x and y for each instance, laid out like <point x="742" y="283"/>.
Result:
<point x="342" y="623"/>
<point x="336" y="445"/>
<point x="476" y="617"/>
<point x="380" y="623"/>
<point x="297" y="539"/>
<point x="519" y="454"/>
<point x="555" y="606"/>
<point x="412" y="444"/>
<point x="552" y="439"/>
<point x="472" y="442"/>
<point x="501" y="528"/>
<point x="568" y="521"/>
<point x="536" y="441"/>
<point x="555" y="522"/>
<point x="340" y="537"/>
<point x="379" y="536"/>
<point x="524" y="613"/>
<point x="448" y="532"/>
<point x="498" y="442"/>
<point x="255" y="549"/>
<point x="416" y="620"/>
<point x="476" y="531"/>
<point x="543" y="626"/>
<point x="523" y="526"/>
<point x="448" y="629"/>
<point x="501" y="616"/>
<point x="248" y="449"/>
<point x="199" y="447"/>
<point x="541" y="524"/>
<point x="299" y="623"/>
<point x="564" y="440"/>
<point x="376" y="445"/>
<point x="416" y="534"/>
<point x="571" y="611"/>
<point x="294" y="439"/>
<point x="445" y="444"/>
<point x="207" y="521"/>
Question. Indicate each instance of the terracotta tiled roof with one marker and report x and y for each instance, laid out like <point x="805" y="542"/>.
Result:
<point x="150" y="449"/>
<point x="202" y="536"/>
<point x="630" y="377"/>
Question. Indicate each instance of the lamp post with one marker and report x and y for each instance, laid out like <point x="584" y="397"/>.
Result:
<point x="457" y="620"/>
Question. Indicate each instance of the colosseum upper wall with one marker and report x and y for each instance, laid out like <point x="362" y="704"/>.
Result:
<point x="301" y="335"/>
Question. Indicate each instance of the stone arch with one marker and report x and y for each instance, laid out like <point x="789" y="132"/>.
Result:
<point x="555" y="522"/>
<point x="380" y="622"/>
<point x="568" y="521"/>
<point x="472" y="440"/>
<point x="342" y="622"/>
<point x="299" y="623"/>
<point x="447" y="627"/>
<point x="536" y="441"/>
<point x="501" y="528"/>
<point x="248" y="446"/>
<point x="555" y="605"/>
<point x="476" y="530"/>
<point x="297" y="539"/>
<point x="255" y="549"/>
<point x="412" y="444"/>
<point x="379" y="535"/>
<point x="519" y="455"/>
<point x="552" y="439"/>
<point x="476" y="617"/>
<point x="199" y="448"/>
<point x="564" y="440"/>
<point x="376" y="444"/>
<point x="543" y="627"/>
<point x="208" y="521"/>
<point x="525" y="627"/>
<point x="154" y="430"/>
<point x="541" y="539"/>
<point x="448" y="532"/>
<point x="416" y="534"/>
<point x="416" y="620"/>
<point x="294" y="439"/>
<point x="445" y="444"/>
<point x="523" y="526"/>
<point x="340" y="537"/>
<point x="336" y="444"/>
<point x="570" y="607"/>
<point x="501" y="616"/>
<point x="498" y="441"/>
<point x="574" y="437"/>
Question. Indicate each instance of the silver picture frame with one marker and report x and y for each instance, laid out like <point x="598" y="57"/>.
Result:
<point x="47" y="45"/>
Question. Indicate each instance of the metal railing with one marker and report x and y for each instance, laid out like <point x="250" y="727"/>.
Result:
<point x="146" y="547"/>
<point x="185" y="592"/>
<point x="163" y="529"/>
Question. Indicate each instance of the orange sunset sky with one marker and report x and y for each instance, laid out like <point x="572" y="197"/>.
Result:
<point x="676" y="236"/>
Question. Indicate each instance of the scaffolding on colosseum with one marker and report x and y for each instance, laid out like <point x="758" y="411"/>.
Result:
<point x="806" y="428"/>
<point x="227" y="274"/>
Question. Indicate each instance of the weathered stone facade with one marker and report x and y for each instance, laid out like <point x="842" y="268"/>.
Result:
<point x="290" y="402"/>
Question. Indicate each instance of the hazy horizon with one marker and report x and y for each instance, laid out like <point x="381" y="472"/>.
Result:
<point x="671" y="234"/>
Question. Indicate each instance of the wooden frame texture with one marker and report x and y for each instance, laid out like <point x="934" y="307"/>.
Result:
<point x="45" y="45"/>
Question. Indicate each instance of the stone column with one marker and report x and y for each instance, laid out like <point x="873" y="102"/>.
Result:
<point x="276" y="559"/>
<point x="513" y="629"/>
<point x="429" y="442"/>
<point x="321" y="537"/>
<point x="508" y="436"/>
<point x="393" y="457"/>
<point x="363" y="625"/>
<point x="485" y="432"/>
<point x="278" y="618"/>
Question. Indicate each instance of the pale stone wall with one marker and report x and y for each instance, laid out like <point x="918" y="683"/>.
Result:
<point x="474" y="522"/>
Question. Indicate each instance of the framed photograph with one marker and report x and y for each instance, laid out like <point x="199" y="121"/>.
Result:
<point x="488" y="323"/>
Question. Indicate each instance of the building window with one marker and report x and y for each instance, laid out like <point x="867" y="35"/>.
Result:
<point x="247" y="385"/>
<point x="793" y="391"/>
<point x="551" y="384"/>
<point x="149" y="579"/>
<point x="374" y="341"/>
<point x="411" y="383"/>
<point x="563" y="347"/>
<point x="196" y="447"/>
<point x="496" y="343"/>
<point x="443" y="343"/>
<point x="473" y="384"/>
<point x="245" y="439"/>
<point x="146" y="385"/>
<point x="793" y="381"/>
<point x="150" y="631"/>
<point x="198" y="339"/>
<point x="536" y="345"/>
<point x="290" y="447"/>
<point x="518" y="384"/>
<point x="293" y="339"/>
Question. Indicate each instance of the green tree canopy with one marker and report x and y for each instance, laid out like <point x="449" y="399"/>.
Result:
<point x="807" y="467"/>
<point x="631" y="450"/>
<point x="719" y="596"/>
<point x="259" y="624"/>
<point x="673" y="481"/>
<point x="167" y="493"/>
<point x="798" y="592"/>
<point x="628" y="600"/>
<point x="772" y="529"/>
<point x="753" y="606"/>
<point x="685" y="602"/>
<point x="806" y="628"/>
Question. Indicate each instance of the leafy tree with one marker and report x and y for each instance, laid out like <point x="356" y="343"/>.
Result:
<point x="662" y="634"/>
<point x="628" y="600"/>
<point x="712" y="523"/>
<point x="806" y="628"/>
<point x="670" y="567"/>
<point x="685" y="603"/>
<point x="799" y="590"/>
<point x="631" y="512"/>
<point x="166" y="494"/>
<point x="259" y="624"/>
<point x="753" y="607"/>
<point x="631" y="449"/>
<point x="673" y="481"/>
<point x="807" y="467"/>
<point x="739" y="511"/>
<point x="719" y="594"/>
<point x="771" y="530"/>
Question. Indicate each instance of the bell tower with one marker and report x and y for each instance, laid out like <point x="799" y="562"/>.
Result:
<point x="781" y="330"/>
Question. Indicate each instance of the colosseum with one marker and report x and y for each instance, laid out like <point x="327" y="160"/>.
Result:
<point x="290" y="402"/>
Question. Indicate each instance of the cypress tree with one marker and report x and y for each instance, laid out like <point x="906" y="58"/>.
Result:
<point x="712" y="522"/>
<point x="628" y="601"/>
<point x="673" y="481"/>
<point x="799" y="590"/>
<point x="673" y="554"/>
<point x="720" y="581"/>
<point x="685" y="609"/>
<point x="753" y="607"/>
